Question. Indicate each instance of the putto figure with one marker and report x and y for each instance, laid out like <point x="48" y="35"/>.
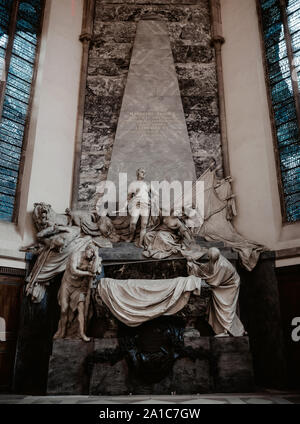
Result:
<point x="74" y="291"/>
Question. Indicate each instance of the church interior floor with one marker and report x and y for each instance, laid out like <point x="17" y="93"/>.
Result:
<point x="237" y="398"/>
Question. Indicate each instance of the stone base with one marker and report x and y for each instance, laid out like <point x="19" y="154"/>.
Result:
<point x="203" y="365"/>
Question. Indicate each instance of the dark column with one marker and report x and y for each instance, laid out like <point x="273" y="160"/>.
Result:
<point x="260" y="313"/>
<point x="37" y="326"/>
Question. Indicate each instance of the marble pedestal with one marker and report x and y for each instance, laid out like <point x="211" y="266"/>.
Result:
<point x="203" y="365"/>
<point x="111" y="364"/>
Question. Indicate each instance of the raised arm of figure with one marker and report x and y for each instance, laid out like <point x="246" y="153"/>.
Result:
<point x="74" y="266"/>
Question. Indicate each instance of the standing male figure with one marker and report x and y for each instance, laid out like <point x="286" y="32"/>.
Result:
<point x="81" y="268"/>
<point x="139" y="204"/>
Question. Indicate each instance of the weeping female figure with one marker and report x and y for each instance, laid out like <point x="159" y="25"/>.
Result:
<point x="223" y="278"/>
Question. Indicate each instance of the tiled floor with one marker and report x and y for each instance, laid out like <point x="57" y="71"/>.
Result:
<point x="253" y="398"/>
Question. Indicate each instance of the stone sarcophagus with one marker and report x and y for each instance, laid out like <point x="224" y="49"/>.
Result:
<point x="175" y="353"/>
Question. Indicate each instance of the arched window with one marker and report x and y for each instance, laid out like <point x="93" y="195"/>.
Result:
<point x="280" y="21"/>
<point x="20" y="27"/>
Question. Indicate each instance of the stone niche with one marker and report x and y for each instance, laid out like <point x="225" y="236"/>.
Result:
<point x="189" y="28"/>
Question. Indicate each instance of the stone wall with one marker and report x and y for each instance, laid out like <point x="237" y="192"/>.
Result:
<point x="109" y="58"/>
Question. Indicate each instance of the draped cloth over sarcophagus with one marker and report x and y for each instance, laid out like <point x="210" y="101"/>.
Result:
<point x="136" y="301"/>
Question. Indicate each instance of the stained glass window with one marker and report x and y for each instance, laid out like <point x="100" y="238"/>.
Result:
<point x="281" y="34"/>
<point x="20" y="23"/>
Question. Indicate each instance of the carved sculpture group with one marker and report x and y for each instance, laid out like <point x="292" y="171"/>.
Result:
<point x="70" y="243"/>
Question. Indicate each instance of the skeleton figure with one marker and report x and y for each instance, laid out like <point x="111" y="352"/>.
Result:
<point x="74" y="292"/>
